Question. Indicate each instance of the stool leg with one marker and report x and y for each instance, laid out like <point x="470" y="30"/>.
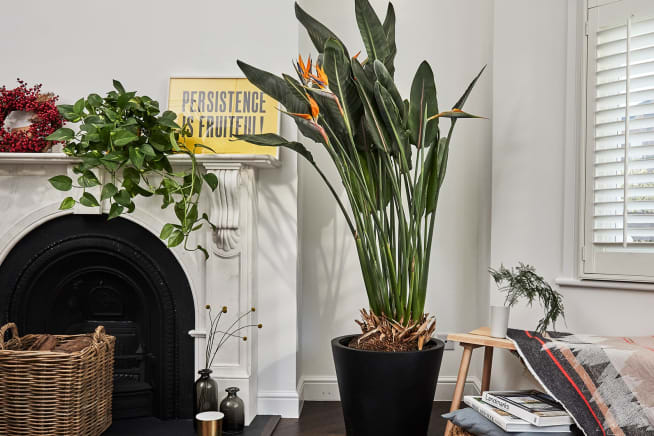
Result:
<point x="488" y="364"/>
<point x="460" y="382"/>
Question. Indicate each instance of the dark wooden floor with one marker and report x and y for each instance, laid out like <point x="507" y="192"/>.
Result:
<point x="326" y="419"/>
<point x="262" y="425"/>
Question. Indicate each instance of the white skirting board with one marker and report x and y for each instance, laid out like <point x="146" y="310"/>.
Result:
<point x="284" y="403"/>
<point x="325" y="388"/>
<point x="321" y="388"/>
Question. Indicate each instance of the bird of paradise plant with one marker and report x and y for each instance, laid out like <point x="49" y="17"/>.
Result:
<point x="391" y="157"/>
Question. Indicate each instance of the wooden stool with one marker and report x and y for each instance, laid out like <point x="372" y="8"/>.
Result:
<point x="469" y="341"/>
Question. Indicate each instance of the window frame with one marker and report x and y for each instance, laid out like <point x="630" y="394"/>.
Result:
<point x="593" y="263"/>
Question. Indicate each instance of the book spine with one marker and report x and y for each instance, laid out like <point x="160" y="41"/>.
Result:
<point x="507" y="407"/>
<point x="492" y="418"/>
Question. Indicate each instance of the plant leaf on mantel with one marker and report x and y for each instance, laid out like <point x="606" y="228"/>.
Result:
<point x="124" y="136"/>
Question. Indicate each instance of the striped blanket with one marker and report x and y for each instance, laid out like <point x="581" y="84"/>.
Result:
<point x="605" y="383"/>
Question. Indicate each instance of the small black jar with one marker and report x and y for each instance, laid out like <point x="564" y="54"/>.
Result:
<point x="233" y="409"/>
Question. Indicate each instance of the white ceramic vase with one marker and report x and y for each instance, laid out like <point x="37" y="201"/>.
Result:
<point x="499" y="321"/>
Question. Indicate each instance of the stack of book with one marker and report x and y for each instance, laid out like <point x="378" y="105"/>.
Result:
<point x="521" y="411"/>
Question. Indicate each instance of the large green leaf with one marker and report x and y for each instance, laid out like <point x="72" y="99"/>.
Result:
<point x="459" y="104"/>
<point x="123" y="137"/>
<point x="134" y="188"/>
<point x="108" y="190"/>
<point x="274" y="140"/>
<point x="391" y="116"/>
<point x="423" y="104"/>
<point x="119" y="87"/>
<point x="389" y="30"/>
<point x="114" y="211"/>
<point x="94" y="100"/>
<point x="454" y="114"/>
<point x="67" y="203"/>
<point x="276" y="87"/>
<point x="123" y="198"/>
<point x="132" y="174"/>
<point x="386" y="80"/>
<point x="88" y="179"/>
<point x="176" y="238"/>
<point x="62" y="134"/>
<point x="371" y="119"/>
<point x="318" y="33"/>
<point x="374" y="183"/>
<point x="87" y="199"/>
<point x="362" y="78"/>
<point x="136" y="156"/>
<point x="372" y="31"/>
<point x="166" y="230"/>
<point x="296" y="88"/>
<point x="341" y="82"/>
<point x="431" y="174"/>
<point x="61" y="183"/>
<point x="212" y="181"/>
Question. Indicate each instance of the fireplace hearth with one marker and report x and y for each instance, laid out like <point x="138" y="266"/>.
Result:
<point x="76" y="272"/>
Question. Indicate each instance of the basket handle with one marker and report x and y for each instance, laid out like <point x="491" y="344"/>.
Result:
<point x="99" y="335"/>
<point x="3" y="330"/>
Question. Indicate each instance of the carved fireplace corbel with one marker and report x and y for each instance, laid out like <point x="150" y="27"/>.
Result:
<point x="229" y="272"/>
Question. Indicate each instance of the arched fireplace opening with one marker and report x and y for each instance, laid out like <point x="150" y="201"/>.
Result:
<point x="76" y="272"/>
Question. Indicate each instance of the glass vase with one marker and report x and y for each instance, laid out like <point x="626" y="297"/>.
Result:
<point x="233" y="409"/>
<point x="205" y="393"/>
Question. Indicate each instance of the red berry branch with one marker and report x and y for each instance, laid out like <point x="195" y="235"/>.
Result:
<point x="46" y="118"/>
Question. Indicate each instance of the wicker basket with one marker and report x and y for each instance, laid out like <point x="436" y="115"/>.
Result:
<point x="458" y="431"/>
<point x="52" y="393"/>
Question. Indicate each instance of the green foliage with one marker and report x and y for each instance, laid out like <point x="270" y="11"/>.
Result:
<point x="124" y="142"/>
<point x="523" y="282"/>
<point x="388" y="151"/>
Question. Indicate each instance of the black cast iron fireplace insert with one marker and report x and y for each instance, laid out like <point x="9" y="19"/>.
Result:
<point x="76" y="272"/>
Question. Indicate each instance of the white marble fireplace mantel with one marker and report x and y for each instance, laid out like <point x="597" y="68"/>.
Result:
<point x="226" y="279"/>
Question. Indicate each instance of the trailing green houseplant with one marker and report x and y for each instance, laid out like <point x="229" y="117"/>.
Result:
<point x="523" y="282"/>
<point x="126" y="137"/>
<point x="391" y="157"/>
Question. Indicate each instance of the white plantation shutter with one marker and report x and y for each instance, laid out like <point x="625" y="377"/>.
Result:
<point x="619" y="224"/>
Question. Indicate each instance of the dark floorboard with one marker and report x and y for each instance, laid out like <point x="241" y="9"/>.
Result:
<point x="262" y="425"/>
<point x="325" y="418"/>
<point x="150" y="427"/>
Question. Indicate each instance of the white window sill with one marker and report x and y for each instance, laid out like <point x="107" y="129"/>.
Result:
<point x="569" y="282"/>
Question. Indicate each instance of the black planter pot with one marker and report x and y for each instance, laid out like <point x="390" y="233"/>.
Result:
<point x="385" y="393"/>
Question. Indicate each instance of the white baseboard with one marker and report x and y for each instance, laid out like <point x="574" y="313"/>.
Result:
<point x="289" y="404"/>
<point x="284" y="403"/>
<point x="325" y="388"/>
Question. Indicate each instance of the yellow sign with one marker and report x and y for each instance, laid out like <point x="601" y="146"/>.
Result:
<point x="217" y="109"/>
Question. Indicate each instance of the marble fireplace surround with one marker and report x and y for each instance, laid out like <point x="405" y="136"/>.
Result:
<point x="27" y="200"/>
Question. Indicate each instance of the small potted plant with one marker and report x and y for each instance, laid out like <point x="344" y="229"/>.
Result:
<point x="522" y="282"/>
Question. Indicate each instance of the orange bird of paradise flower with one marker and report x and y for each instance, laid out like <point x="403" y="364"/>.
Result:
<point x="304" y="69"/>
<point x="315" y="110"/>
<point x="320" y="78"/>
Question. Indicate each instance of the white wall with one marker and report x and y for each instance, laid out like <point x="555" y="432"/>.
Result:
<point x="456" y="39"/>
<point x="534" y="171"/>
<point x="77" y="47"/>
